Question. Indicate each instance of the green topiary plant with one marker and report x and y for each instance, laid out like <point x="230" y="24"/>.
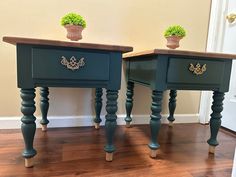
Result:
<point x="73" y="19"/>
<point x="74" y="24"/>
<point x="175" y="30"/>
<point x="173" y="35"/>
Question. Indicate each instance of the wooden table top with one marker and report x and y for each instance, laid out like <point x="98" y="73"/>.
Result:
<point x="21" y="40"/>
<point x="181" y="53"/>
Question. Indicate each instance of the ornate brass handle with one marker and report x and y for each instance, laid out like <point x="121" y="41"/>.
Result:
<point x="231" y="18"/>
<point x="197" y="69"/>
<point x="73" y="63"/>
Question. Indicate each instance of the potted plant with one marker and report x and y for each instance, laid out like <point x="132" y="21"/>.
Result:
<point x="173" y="34"/>
<point x="74" y="23"/>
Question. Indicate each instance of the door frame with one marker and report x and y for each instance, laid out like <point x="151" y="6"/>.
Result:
<point x="215" y="39"/>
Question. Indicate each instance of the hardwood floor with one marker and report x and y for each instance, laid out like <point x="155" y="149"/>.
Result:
<point x="68" y="152"/>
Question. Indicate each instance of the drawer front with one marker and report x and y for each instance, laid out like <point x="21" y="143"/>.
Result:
<point x="195" y="71"/>
<point x="68" y="64"/>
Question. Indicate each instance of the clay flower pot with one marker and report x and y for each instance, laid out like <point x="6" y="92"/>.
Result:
<point x="173" y="42"/>
<point x="74" y="32"/>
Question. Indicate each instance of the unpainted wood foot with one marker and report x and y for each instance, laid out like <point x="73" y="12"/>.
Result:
<point x="153" y="153"/>
<point x="171" y="124"/>
<point x="212" y="149"/>
<point x="97" y="125"/>
<point x="44" y="128"/>
<point x="128" y="124"/>
<point x="29" y="162"/>
<point x="109" y="156"/>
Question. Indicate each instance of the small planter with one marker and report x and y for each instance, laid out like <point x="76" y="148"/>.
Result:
<point x="173" y="42"/>
<point x="74" y="32"/>
<point x="173" y="34"/>
<point x="74" y="24"/>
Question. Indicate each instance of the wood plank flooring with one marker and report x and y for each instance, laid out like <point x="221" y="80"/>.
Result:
<point x="68" y="152"/>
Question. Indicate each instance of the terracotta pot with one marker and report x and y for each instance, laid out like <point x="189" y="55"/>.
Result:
<point x="173" y="42"/>
<point x="74" y="32"/>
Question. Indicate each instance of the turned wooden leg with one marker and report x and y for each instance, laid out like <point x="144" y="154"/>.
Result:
<point x="172" y="106"/>
<point x="129" y="103"/>
<point x="215" y="122"/>
<point x="98" y="107"/>
<point x="155" y="122"/>
<point x="28" y="125"/>
<point x="110" y="124"/>
<point x="44" y="105"/>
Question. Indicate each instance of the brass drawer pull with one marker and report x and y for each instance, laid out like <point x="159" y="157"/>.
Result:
<point x="73" y="64"/>
<point x="197" y="69"/>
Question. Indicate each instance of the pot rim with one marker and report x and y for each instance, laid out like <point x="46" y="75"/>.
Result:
<point x="71" y="25"/>
<point x="174" y="36"/>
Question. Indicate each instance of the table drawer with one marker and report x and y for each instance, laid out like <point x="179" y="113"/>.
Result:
<point x="70" y="64"/>
<point x="195" y="71"/>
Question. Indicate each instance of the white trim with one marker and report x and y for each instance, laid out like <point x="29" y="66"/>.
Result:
<point x="205" y="107"/>
<point x="234" y="165"/>
<point x="217" y="25"/>
<point x="214" y="44"/>
<point x="81" y="121"/>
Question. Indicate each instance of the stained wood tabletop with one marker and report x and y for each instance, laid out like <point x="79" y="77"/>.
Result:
<point x="181" y="53"/>
<point x="33" y="41"/>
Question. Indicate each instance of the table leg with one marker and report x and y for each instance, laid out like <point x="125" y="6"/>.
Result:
<point x="215" y="122"/>
<point x="28" y="125"/>
<point x="129" y="103"/>
<point x="110" y="124"/>
<point x="44" y="105"/>
<point x="98" y="107"/>
<point x="172" y="106"/>
<point x="155" y="122"/>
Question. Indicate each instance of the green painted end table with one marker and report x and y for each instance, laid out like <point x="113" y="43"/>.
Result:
<point x="162" y="69"/>
<point x="49" y="63"/>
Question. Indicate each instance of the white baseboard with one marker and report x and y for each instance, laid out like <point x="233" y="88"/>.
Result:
<point x="81" y="121"/>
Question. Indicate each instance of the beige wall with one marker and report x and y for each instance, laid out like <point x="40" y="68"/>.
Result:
<point x="137" y="23"/>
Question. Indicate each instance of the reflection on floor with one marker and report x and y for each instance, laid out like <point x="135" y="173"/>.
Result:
<point x="68" y="152"/>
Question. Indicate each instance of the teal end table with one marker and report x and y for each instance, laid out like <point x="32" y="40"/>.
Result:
<point x="49" y="63"/>
<point x="162" y="69"/>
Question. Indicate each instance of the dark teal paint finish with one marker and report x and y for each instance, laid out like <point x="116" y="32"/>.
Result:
<point x="96" y="65"/>
<point x="143" y="71"/>
<point x="172" y="105"/>
<point x="224" y="87"/>
<point x="110" y="124"/>
<point x="115" y="71"/>
<point x="98" y="104"/>
<point x="28" y="126"/>
<point x="102" y="68"/>
<point x="215" y="121"/>
<point x="129" y="101"/>
<point x="148" y="71"/>
<point x="160" y="81"/>
<point x="178" y="71"/>
<point x="44" y="105"/>
<point x="162" y="72"/>
<point x="155" y="121"/>
<point x="24" y="73"/>
<point x="40" y="66"/>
